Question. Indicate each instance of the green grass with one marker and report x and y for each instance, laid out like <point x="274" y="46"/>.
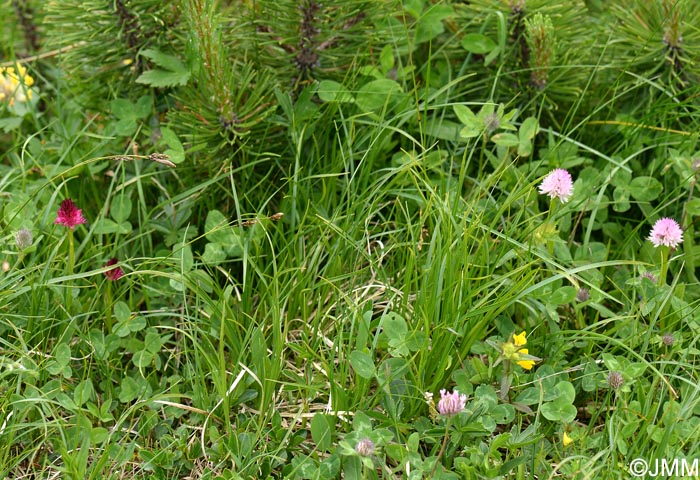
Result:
<point x="311" y="277"/>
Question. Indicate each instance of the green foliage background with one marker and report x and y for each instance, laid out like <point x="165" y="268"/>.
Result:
<point x="350" y="220"/>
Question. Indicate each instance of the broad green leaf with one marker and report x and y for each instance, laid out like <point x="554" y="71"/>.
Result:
<point x="126" y="327"/>
<point x="485" y="397"/>
<point x="183" y="257"/>
<point x="122" y="312"/>
<point x="529" y="396"/>
<point x="471" y="131"/>
<point x="84" y="392"/>
<point x="178" y="284"/>
<point x="125" y="127"/>
<point x="562" y="296"/>
<point x="105" y="225"/>
<point x="505" y="140"/>
<point x="634" y="370"/>
<point x="621" y="199"/>
<point x="334" y="92"/>
<point x="546" y="376"/>
<point x="143" y="107"/>
<point x="394" y="326"/>
<point x="361" y="423"/>
<point x="528" y="129"/>
<point x="443" y="129"/>
<point x="129" y="390"/>
<point x="163" y="60"/>
<point x="233" y="245"/>
<point x="329" y="467"/>
<point x="465" y="115"/>
<point x="559" y="412"/>
<point x="693" y="207"/>
<point x="124" y="228"/>
<point x="201" y="279"/>
<point x="566" y="390"/>
<point x="375" y="95"/>
<point x="128" y="114"/>
<point x="213" y="254"/>
<point x="525" y="148"/>
<point x="622" y="179"/>
<point x="473" y="125"/>
<point x="396" y="330"/>
<point x="322" y="431"/>
<point x="174" y="71"/>
<point x="66" y="402"/>
<point x="645" y="189"/>
<point x="98" y="435"/>
<point x="413" y="442"/>
<point x="163" y="78"/>
<point x="478" y="43"/>
<point x="429" y="24"/>
<point x="62" y="354"/>
<point x="502" y="413"/>
<point x="153" y="342"/>
<point x="611" y="362"/>
<point x="176" y="152"/>
<point x="120" y="209"/>
<point x="143" y="358"/>
<point x="123" y="109"/>
<point x="363" y="364"/>
<point x="216" y="226"/>
<point x="413" y="7"/>
<point x="386" y="58"/>
<point x="9" y="124"/>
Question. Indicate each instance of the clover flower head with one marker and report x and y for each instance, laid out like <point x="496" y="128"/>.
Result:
<point x="583" y="294"/>
<point x="615" y="380"/>
<point x="23" y="238"/>
<point x="451" y="403"/>
<point x="558" y="184"/>
<point x="115" y="273"/>
<point x="69" y="215"/>
<point x="365" y="447"/>
<point x="492" y="122"/>
<point x="667" y="232"/>
<point x="649" y="276"/>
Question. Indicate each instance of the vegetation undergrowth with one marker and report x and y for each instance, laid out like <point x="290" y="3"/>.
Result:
<point x="357" y="239"/>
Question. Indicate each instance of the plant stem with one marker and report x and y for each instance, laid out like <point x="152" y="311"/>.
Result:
<point x="442" y="447"/>
<point x="550" y="215"/>
<point x="108" y="305"/>
<point x="664" y="266"/>
<point x="71" y="263"/>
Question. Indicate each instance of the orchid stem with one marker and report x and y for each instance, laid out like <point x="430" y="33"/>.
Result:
<point x="108" y="304"/>
<point x="71" y="264"/>
<point x="664" y="266"/>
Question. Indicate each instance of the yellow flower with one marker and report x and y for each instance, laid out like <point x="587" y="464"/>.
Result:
<point x="566" y="440"/>
<point x="520" y="340"/>
<point x="14" y="84"/>
<point x="526" y="364"/>
<point x="512" y="350"/>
